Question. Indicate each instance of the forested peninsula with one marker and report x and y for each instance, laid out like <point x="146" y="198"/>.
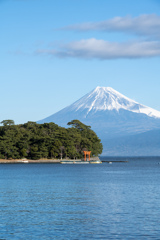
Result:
<point x="50" y="141"/>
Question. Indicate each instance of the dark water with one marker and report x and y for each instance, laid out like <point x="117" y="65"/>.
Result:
<point x="103" y="201"/>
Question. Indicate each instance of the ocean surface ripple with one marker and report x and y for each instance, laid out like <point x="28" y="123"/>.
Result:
<point x="104" y="201"/>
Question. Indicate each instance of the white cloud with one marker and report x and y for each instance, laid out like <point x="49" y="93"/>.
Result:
<point x="147" y="24"/>
<point x="100" y="49"/>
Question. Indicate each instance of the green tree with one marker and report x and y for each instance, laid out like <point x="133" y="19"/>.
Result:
<point x="48" y="140"/>
<point x="7" y="122"/>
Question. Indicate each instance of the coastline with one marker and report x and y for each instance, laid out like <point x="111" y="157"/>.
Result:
<point x="30" y="161"/>
<point x="40" y="160"/>
<point x="7" y="161"/>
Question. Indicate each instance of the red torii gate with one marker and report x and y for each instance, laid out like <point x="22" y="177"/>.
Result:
<point x="86" y="153"/>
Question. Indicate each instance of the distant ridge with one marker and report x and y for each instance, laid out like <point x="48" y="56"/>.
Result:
<point x="110" y="114"/>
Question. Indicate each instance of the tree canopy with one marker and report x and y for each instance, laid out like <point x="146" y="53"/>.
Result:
<point x="48" y="140"/>
<point x="7" y="122"/>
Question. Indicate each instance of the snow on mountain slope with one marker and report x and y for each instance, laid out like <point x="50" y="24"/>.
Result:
<point x="106" y="98"/>
<point x="114" y="118"/>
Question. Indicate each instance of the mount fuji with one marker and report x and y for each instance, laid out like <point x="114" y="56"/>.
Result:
<point x="121" y="123"/>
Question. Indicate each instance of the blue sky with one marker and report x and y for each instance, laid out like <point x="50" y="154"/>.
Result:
<point x="53" y="52"/>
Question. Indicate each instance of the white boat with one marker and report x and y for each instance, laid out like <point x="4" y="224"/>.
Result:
<point x="95" y="162"/>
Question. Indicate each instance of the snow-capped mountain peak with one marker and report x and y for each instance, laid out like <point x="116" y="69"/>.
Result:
<point x="117" y="120"/>
<point x="106" y="98"/>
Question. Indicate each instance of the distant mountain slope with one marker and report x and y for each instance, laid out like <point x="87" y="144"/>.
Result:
<point x="142" y="144"/>
<point x="110" y="114"/>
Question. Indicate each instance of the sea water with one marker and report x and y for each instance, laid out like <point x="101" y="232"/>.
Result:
<point x="94" y="201"/>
